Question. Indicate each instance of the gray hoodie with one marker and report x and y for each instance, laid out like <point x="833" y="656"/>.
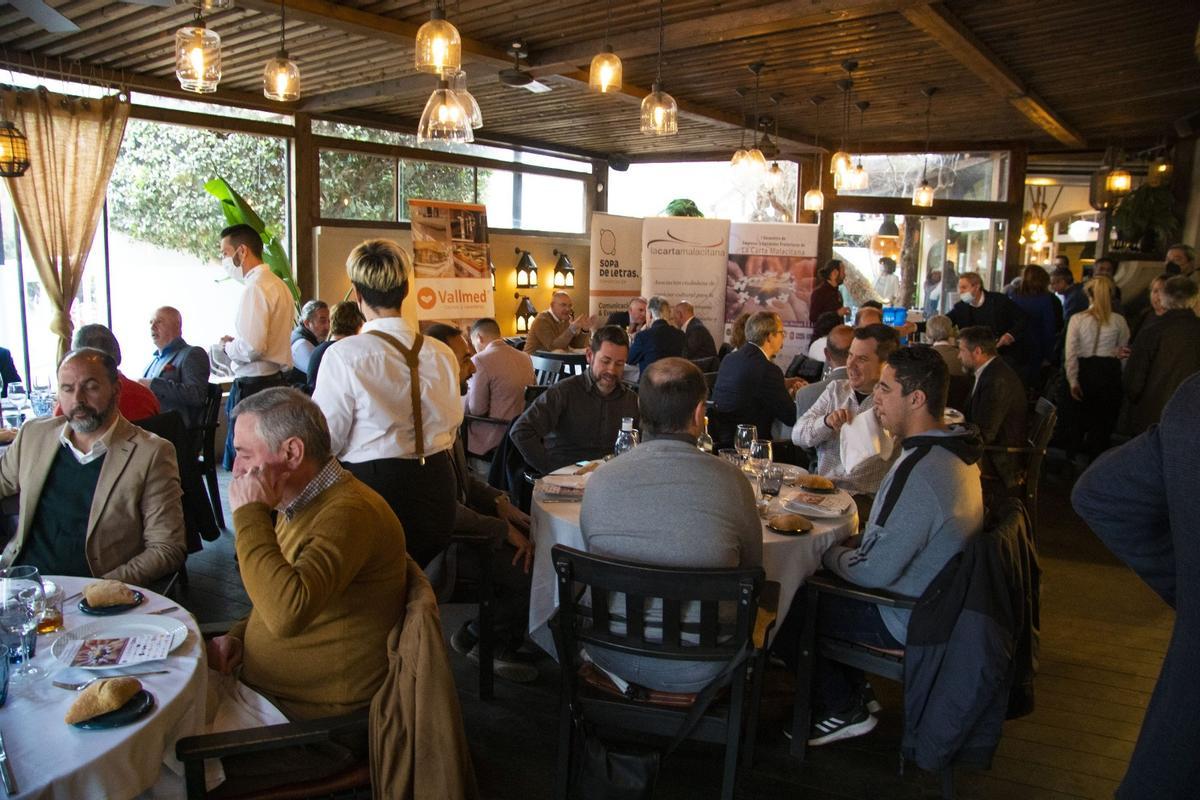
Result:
<point x="928" y="505"/>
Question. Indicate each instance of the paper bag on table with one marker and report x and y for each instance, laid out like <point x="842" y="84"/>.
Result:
<point x="862" y="438"/>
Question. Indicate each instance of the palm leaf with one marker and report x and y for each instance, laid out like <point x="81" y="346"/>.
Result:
<point x="238" y="212"/>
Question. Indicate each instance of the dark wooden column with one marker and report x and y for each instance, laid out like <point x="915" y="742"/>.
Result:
<point x="306" y="198"/>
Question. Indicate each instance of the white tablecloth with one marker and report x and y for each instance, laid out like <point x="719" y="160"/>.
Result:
<point x="51" y="759"/>
<point x="786" y="559"/>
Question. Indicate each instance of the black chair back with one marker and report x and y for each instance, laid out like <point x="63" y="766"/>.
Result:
<point x="197" y="513"/>
<point x="206" y="448"/>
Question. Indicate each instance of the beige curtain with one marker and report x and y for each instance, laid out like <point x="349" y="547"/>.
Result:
<point x="73" y="145"/>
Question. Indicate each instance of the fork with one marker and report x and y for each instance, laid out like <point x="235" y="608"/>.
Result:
<point x="76" y="687"/>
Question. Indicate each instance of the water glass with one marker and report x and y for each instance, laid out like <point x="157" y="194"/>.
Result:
<point x="17" y="393"/>
<point x="746" y="434"/>
<point x="21" y="602"/>
<point x="42" y="401"/>
<point x="772" y="480"/>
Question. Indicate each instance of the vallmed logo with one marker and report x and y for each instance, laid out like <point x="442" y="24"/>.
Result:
<point x="426" y="298"/>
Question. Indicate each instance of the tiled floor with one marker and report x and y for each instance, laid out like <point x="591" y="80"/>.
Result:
<point x="1103" y="638"/>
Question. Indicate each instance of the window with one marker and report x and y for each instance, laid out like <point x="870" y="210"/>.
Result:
<point x="357" y="186"/>
<point x="428" y="180"/>
<point x="644" y="190"/>
<point x="954" y="176"/>
<point x="552" y="204"/>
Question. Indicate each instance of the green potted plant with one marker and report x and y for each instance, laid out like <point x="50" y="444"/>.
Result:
<point x="1146" y="220"/>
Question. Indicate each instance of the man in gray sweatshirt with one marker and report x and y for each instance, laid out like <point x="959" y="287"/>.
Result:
<point x="667" y="503"/>
<point x="928" y="506"/>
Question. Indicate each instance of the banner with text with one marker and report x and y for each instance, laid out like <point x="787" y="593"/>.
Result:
<point x="450" y="260"/>
<point x="616" y="264"/>
<point x="683" y="258"/>
<point x="772" y="267"/>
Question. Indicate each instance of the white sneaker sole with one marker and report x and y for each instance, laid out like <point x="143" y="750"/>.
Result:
<point x="848" y="732"/>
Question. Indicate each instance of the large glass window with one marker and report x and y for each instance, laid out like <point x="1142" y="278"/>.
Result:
<point x="552" y="204"/>
<point x="427" y="180"/>
<point x="644" y="190"/>
<point x="954" y="176"/>
<point x="357" y="186"/>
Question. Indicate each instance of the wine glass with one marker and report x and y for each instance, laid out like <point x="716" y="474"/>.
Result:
<point x="17" y="394"/>
<point x="760" y="456"/>
<point x="21" y="601"/>
<point x="746" y="434"/>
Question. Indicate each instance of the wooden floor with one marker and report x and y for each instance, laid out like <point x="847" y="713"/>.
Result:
<point x="1103" y="639"/>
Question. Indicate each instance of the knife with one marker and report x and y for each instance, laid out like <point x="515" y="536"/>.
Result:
<point x="10" y="783"/>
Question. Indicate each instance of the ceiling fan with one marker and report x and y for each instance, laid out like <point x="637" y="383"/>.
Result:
<point x="517" y="77"/>
<point x="53" y="22"/>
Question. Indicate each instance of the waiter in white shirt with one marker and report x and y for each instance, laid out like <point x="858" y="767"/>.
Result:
<point x="391" y="398"/>
<point x="260" y="351"/>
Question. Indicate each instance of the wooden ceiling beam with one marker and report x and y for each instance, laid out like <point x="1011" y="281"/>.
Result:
<point x="936" y="21"/>
<point x="718" y="28"/>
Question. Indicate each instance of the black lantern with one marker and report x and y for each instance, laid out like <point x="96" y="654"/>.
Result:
<point x="526" y="270"/>
<point x="564" y="272"/>
<point x="525" y="314"/>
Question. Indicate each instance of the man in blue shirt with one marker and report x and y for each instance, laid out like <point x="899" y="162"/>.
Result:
<point x="178" y="375"/>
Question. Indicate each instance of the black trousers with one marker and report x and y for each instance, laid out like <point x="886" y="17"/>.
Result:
<point x="423" y="497"/>
<point x="1100" y="382"/>
<point x="511" y="585"/>
<point x="241" y="389"/>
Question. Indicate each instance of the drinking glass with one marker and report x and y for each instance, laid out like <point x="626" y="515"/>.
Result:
<point x="746" y="434"/>
<point x="760" y="456"/>
<point x="772" y="480"/>
<point x="17" y="393"/>
<point x="20" y="609"/>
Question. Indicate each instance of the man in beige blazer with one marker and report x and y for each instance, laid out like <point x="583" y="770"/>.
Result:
<point x="99" y="496"/>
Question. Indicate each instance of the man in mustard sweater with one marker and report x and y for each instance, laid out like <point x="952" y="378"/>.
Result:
<point x="327" y="580"/>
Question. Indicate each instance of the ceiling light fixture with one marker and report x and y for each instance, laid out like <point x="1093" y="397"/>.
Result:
<point x="858" y="178"/>
<point x="814" y="198"/>
<point x="841" y="164"/>
<point x="605" y="74"/>
<point x="197" y="57"/>
<point x="458" y="83"/>
<point x="281" y="78"/>
<point x="923" y="194"/>
<point x="438" y="46"/>
<point x="660" y="112"/>
<point x="444" y="118"/>
<point x="740" y="155"/>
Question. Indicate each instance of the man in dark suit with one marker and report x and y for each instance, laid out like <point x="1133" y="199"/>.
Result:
<point x="700" y="342"/>
<point x="660" y="340"/>
<point x="8" y="371"/>
<point x="1164" y="355"/>
<point x="630" y="321"/>
<point x="750" y="387"/>
<point x="997" y="403"/>
<point x="994" y="310"/>
<point x="178" y="375"/>
<point x="1141" y="501"/>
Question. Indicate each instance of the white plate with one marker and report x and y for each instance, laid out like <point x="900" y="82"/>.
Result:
<point x="842" y="499"/>
<point x="115" y="628"/>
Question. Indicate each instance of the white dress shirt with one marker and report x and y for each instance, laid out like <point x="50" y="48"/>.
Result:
<point x="1086" y="338"/>
<point x="887" y="286"/>
<point x="302" y="350"/>
<point x="99" y="447"/>
<point x="979" y="371"/>
<point x="262" y="327"/>
<point x="364" y="392"/>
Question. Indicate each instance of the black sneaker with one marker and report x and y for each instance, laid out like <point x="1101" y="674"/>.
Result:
<point x="869" y="700"/>
<point x="842" y="726"/>
<point x="464" y="640"/>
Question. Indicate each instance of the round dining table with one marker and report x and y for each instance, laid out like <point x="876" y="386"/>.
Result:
<point x="51" y="759"/>
<point x="787" y="559"/>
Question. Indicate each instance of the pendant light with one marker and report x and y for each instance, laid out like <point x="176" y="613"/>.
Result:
<point x="1119" y="181"/>
<point x="281" y="78"/>
<point x="841" y="163"/>
<point x="438" y="45"/>
<point x="459" y="84"/>
<point x="814" y="198"/>
<point x="660" y="113"/>
<point x="444" y="118"/>
<point x="208" y="6"/>
<point x="754" y="164"/>
<point x="14" y="147"/>
<point x="197" y="57"/>
<point x="1160" y="170"/>
<point x="525" y="314"/>
<point x="605" y="74"/>
<point x="858" y="178"/>
<point x="527" y="276"/>
<point x="564" y="272"/>
<point x="740" y="154"/>
<point x="923" y="195"/>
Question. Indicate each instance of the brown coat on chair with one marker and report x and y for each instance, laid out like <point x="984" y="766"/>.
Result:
<point x="418" y="745"/>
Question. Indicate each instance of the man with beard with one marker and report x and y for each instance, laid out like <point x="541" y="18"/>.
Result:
<point x="578" y="418"/>
<point x="100" y="497"/>
<point x="826" y="295"/>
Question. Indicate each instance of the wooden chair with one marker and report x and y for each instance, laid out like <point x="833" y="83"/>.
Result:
<point x="205" y="448"/>
<point x="1045" y="416"/>
<point x="679" y="591"/>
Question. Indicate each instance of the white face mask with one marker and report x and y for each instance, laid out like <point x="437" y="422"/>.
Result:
<point x="232" y="269"/>
<point x="968" y="298"/>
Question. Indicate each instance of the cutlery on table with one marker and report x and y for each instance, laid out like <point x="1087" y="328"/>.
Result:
<point x="76" y="687"/>
<point x="6" y="774"/>
<point x="164" y="610"/>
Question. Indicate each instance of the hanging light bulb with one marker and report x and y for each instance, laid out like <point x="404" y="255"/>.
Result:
<point x="197" y="57"/>
<point x="754" y="164"/>
<point x="814" y="198"/>
<point x="444" y="118"/>
<point x="773" y="177"/>
<point x="438" y="46"/>
<point x="660" y="112"/>
<point x="858" y="179"/>
<point x="281" y="77"/>
<point x="459" y="84"/>
<point x="841" y="165"/>
<point x="923" y="194"/>
<point x="740" y="154"/>
<point x="605" y="74"/>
